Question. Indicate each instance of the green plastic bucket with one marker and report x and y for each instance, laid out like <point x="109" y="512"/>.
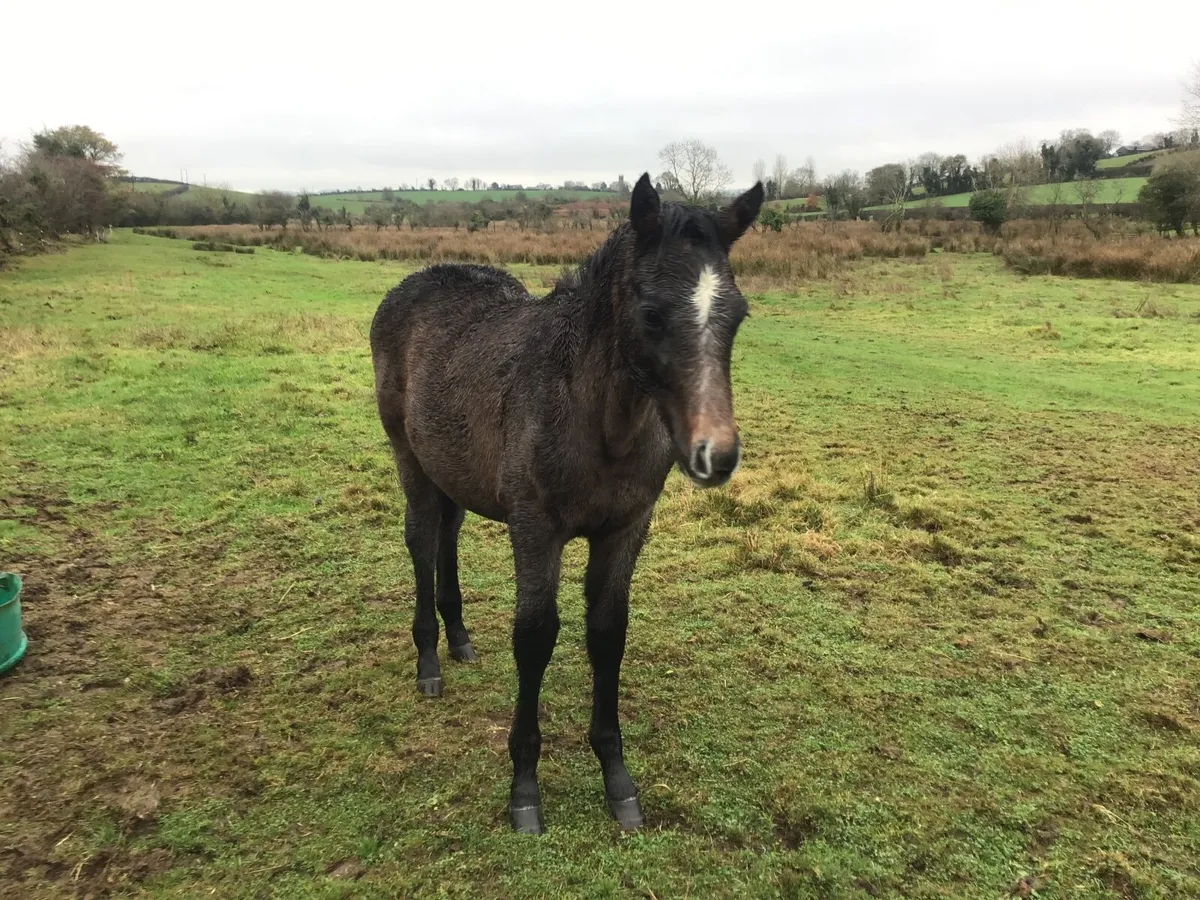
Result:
<point x="12" y="638"/>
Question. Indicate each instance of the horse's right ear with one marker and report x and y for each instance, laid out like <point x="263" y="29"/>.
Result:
<point x="645" y="210"/>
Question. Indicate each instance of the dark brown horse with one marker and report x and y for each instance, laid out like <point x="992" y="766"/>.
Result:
<point x="561" y="416"/>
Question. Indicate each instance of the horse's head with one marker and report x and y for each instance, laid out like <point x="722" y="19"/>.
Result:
<point x="682" y="314"/>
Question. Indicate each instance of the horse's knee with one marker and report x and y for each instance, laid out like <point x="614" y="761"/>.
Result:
<point x="534" y="636"/>
<point x="420" y="531"/>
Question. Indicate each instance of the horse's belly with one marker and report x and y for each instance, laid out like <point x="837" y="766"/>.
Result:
<point x="460" y="454"/>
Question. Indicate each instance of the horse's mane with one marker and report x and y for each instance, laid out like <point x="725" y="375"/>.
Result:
<point x="693" y="223"/>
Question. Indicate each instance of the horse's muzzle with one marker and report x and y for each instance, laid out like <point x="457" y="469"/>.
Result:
<point x="711" y="464"/>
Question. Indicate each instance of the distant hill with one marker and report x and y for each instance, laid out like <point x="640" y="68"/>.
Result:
<point x="162" y="186"/>
<point x="357" y="201"/>
<point x="1108" y="190"/>
<point x="1120" y="162"/>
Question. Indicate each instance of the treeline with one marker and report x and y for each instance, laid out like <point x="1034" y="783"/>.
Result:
<point x="1075" y="155"/>
<point x="620" y="187"/>
<point x="275" y="208"/>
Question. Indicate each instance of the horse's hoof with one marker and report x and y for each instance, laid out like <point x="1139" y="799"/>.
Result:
<point x="628" y="813"/>
<point x="464" y="653"/>
<point x="526" y="819"/>
<point x="430" y="687"/>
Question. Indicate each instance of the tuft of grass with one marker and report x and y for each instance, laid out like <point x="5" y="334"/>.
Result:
<point x="876" y="488"/>
<point x="1153" y="308"/>
<point x="1046" y="332"/>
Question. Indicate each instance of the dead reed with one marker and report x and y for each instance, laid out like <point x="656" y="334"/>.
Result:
<point x="802" y="251"/>
<point x="1131" y="257"/>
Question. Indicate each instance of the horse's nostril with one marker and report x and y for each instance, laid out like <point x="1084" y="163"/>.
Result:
<point x="702" y="459"/>
<point x="724" y="462"/>
<point x="712" y="463"/>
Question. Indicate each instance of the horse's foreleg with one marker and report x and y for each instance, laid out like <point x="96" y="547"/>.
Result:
<point x="610" y="567"/>
<point x="537" y="554"/>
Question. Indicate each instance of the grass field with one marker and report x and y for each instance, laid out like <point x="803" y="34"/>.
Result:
<point x="423" y="197"/>
<point x="194" y="190"/>
<point x="356" y="202"/>
<point x="1108" y="190"/>
<point x="149" y="187"/>
<point x="1119" y="162"/>
<point x="939" y="638"/>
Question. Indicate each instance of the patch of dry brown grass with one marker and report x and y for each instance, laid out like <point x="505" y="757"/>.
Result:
<point x="766" y="259"/>
<point x="762" y="260"/>
<point x="1126" y="256"/>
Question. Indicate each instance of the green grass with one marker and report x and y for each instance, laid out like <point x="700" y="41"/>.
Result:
<point x="194" y="190"/>
<point x="939" y="635"/>
<point x="149" y="187"/>
<point x="1119" y="162"/>
<point x="1108" y="190"/>
<point x="358" y="201"/>
<point x="797" y="204"/>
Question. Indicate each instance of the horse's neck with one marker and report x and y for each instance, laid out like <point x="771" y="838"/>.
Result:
<point x="629" y="416"/>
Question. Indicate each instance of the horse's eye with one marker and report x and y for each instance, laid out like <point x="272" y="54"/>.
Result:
<point x="653" y="321"/>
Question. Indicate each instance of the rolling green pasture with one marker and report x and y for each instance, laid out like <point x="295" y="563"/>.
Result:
<point x="149" y="187"/>
<point x="158" y="187"/>
<point x="1108" y="190"/>
<point x="1119" y="162"/>
<point x="358" y="201"/>
<point x="939" y="638"/>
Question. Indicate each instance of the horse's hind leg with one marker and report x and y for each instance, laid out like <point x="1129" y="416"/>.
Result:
<point x="449" y="594"/>
<point x="422" y="524"/>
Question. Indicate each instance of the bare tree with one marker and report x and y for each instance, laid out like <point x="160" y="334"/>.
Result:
<point x="760" y="171"/>
<point x="806" y="175"/>
<point x="474" y="184"/>
<point x="450" y="184"/>
<point x="1056" y="202"/>
<point x="845" y="195"/>
<point x="694" y="169"/>
<point x="897" y="192"/>
<point x="1190" y="117"/>
<point x="1110" y="140"/>
<point x="779" y="173"/>
<point x="1085" y="190"/>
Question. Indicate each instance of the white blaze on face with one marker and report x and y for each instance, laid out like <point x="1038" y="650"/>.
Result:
<point x="707" y="289"/>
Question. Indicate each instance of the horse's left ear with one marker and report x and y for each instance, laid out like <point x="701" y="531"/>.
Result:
<point x="645" y="209"/>
<point x="736" y="218"/>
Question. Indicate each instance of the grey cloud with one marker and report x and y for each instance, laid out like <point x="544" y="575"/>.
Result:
<point x="395" y="93"/>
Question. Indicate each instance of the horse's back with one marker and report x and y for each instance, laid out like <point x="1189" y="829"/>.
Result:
<point x="449" y="293"/>
<point x="428" y="314"/>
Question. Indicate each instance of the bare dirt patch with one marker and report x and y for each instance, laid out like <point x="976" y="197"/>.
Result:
<point x="86" y="742"/>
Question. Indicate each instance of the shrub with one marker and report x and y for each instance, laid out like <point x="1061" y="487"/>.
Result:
<point x="1171" y="197"/>
<point x="772" y="218"/>
<point x="989" y="208"/>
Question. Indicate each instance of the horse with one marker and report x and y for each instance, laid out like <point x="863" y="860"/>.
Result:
<point x="562" y="417"/>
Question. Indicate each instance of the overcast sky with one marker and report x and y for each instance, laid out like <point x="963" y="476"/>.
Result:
<point x="346" y="94"/>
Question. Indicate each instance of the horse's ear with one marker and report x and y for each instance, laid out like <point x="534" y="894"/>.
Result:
<point x="645" y="210"/>
<point x="736" y="218"/>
